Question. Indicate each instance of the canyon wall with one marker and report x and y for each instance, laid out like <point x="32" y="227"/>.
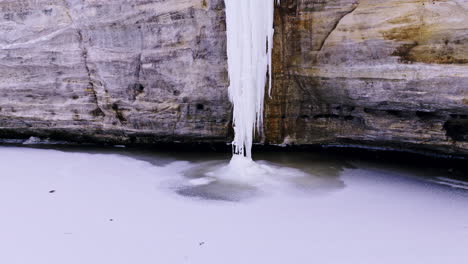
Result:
<point x="383" y="73"/>
<point x="122" y="71"/>
<point x="376" y="73"/>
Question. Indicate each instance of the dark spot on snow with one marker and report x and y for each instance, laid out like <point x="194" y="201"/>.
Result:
<point x="52" y="191"/>
<point x="200" y="107"/>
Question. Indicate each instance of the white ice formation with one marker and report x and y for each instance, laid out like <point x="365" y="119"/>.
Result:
<point x="249" y="47"/>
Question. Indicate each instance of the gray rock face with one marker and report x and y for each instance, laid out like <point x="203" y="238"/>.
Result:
<point x="376" y="73"/>
<point x="385" y="73"/>
<point x="118" y="70"/>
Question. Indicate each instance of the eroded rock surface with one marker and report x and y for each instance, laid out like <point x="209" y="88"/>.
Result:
<point x="385" y="73"/>
<point x="118" y="70"/>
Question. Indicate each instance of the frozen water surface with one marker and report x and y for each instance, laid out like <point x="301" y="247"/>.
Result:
<point x="118" y="206"/>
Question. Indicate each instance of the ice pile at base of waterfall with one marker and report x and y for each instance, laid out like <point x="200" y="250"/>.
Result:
<point x="244" y="171"/>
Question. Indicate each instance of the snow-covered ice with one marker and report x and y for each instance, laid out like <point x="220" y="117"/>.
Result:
<point x="69" y="207"/>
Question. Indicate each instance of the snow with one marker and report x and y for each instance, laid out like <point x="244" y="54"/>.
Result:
<point x="68" y="207"/>
<point x="249" y="47"/>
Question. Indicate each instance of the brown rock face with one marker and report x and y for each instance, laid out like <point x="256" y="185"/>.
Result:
<point x="385" y="73"/>
<point x="121" y="70"/>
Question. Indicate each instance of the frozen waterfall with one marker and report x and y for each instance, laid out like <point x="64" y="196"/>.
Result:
<point x="249" y="48"/>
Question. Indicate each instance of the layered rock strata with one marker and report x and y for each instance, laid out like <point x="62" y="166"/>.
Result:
<point x="114" y="71"/>
<point x="385" y="73"/>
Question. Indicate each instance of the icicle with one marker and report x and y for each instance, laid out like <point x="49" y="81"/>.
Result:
<point x="249" y="48"/>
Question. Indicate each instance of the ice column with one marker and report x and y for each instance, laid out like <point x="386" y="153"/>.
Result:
<point x="249" y="48"/>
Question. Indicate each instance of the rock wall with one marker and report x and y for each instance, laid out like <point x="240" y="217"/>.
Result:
<point x="115" y="70"/>
<point x="385" y="73"/>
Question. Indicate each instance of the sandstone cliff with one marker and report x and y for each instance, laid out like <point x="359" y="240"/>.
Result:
<point x="385" y="73"/>
<point x="114" y="70"/>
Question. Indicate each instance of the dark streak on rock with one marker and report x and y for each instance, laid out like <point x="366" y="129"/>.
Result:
<point x="354" y="7"/>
